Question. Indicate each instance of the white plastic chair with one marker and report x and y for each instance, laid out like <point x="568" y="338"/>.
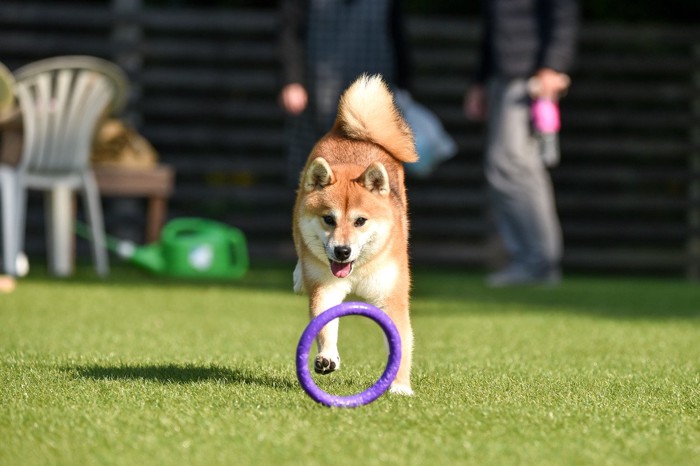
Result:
<point x="7" y="179"/>
<point x="62" y="101"/>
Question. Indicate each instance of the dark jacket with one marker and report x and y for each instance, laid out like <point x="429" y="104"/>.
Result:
<point x="293" y="34"/>
<point x="523" y="36"/>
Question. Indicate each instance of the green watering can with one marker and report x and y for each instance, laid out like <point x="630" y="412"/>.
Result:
<point x="188" y="248"/>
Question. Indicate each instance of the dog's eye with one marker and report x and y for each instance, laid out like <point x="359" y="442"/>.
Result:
<point x="360" y="221"/>
<point x="329" y="220"/>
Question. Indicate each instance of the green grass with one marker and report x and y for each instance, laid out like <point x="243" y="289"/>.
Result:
<point x="136" y="370"/>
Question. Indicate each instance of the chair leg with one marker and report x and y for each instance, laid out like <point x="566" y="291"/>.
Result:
<point x="9" y="233"/>
<point x="59" y="230"/>
<point x="20" y="214"/>
<point x="93" y="206"/>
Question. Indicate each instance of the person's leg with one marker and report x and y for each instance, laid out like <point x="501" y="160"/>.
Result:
<point x="299" y="135"/>
<point x="520" y="187"/>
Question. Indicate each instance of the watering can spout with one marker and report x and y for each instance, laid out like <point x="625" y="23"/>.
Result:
<point x="149" y="257"/>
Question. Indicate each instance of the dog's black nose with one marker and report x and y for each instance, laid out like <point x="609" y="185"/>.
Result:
<point x="342" y="252"/>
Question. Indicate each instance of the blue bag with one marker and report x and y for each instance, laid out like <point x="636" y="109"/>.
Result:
<point x="433" y="144"/>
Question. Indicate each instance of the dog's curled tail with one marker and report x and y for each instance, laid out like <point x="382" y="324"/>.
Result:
<point x="367" y="112"/>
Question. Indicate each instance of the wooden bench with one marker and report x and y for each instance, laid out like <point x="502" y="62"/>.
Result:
<point x="155" y="184"/>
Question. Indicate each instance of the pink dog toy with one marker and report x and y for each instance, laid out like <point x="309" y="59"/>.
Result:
<point x="545" y="116"/>
<point x="546" y="121"/>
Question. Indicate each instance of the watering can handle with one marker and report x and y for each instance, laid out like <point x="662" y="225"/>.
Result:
<point x="240" y="248"/>
<point x="174" y="227"/>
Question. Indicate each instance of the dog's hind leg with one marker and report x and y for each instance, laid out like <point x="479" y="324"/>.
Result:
<point x="402" y="383"/>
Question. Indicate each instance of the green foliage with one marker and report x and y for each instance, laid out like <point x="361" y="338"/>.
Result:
<point x="138" y="370"/>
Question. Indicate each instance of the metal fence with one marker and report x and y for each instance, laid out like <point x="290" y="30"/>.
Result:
<point x="205" y="94"/>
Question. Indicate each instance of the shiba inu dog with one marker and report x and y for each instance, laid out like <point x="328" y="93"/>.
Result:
<point x="350" y="218"/>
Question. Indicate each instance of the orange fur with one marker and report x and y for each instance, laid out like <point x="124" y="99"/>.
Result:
<point x="350" y="223"/>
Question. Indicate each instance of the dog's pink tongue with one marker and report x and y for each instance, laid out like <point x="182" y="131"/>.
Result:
<point x="341" y="270"/>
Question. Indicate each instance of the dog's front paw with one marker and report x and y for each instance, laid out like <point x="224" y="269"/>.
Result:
<point x="400" y="389"/>
<point x="326" y="364"/>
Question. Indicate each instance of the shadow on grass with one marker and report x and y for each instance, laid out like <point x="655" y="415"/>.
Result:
<point x="183" y="374"/>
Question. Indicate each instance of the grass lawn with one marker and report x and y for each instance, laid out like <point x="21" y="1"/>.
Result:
<point x="137" y="370"/>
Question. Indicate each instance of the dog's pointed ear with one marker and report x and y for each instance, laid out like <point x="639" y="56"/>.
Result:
<point x="318" y="175"/>
<point x="376" y="179"/>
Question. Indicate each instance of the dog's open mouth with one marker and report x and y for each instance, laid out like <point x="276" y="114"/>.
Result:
<point x="341" y="269"/>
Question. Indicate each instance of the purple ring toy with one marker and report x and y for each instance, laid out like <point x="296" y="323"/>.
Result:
<point x="315" y="326"/>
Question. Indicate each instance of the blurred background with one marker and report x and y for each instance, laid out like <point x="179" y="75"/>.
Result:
<point x="205" y="77"/>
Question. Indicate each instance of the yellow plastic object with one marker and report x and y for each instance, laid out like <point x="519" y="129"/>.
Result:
<point x="7" y="89"/>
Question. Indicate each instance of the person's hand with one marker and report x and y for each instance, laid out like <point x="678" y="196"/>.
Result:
<point x="475" y="103"/>
<point x="551" y="84"/>
<point x="294" y="98"/>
